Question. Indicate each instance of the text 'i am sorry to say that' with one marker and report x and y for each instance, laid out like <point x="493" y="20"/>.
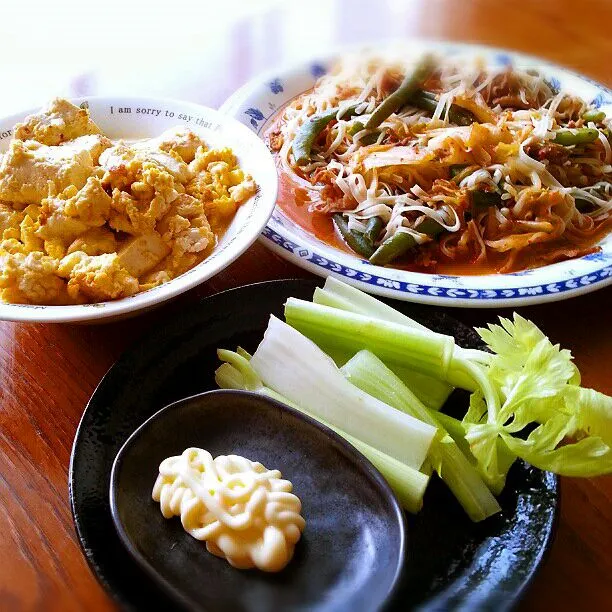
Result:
<point x="157" y="112"/>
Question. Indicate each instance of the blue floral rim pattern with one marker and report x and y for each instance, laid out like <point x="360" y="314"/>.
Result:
<point x="604" y="274"/>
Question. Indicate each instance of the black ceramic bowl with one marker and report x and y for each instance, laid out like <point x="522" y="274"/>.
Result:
<point x="351" y="552"/>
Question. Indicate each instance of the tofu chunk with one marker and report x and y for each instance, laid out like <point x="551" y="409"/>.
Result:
<point x="186" y="228"/>
<point x="124" y="162"/>
<point x="30" y="168"/>
<point x="93" y="144"/>
<point x="95" y="241"/>
<point x="150" y="199"/>
<point x="10" y="220"/>
<point x="97" y="278"/>
<point x="142" y="253"/>
<point x="180" y="140"/>
<point x="30" y="279"/>
<point x="72" y="212"/>
<point x="91" y="204"/>
<point x="59" y="122"/>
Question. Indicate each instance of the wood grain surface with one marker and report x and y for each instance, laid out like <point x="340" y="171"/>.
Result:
<point x="48" y="372"/>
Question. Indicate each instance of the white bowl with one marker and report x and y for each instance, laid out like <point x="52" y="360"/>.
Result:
<point x="217" y="130"/>
<point x="256" y="105"/>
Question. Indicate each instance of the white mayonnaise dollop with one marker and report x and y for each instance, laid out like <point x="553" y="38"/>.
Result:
<point x="243" y="511"/>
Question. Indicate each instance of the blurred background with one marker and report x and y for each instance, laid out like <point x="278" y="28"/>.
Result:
<point x="201" y="50"/>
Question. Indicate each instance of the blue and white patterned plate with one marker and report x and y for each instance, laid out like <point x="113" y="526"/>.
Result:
<point x="256" y="104"/>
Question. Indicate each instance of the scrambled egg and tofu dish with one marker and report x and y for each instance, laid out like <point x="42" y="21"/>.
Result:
<point x="85" y="219"/>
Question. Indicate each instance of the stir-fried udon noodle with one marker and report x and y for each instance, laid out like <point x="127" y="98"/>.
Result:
<point x="438" y="160"/>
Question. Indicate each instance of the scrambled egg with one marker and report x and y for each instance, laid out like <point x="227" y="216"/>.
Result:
<point x="84" y="219"/>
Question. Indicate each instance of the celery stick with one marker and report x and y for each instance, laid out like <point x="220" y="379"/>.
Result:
<point x="371" y="375"/>
<point x="228" y="377"/>
<point x="363" y="303"/>
<point x="337" y="294"/>
<point x="295" y="367"/>
<point x="433" y="392"/>
<point x="242" y="352"/>
<point x="456" y="430"/>
<point x="424" y="351"/>
<point x="345" y="297"/>
<point x="408" y="484"/>
<point x="427" y="351"/>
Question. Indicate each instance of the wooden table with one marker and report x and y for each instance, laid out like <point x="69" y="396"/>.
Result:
<point x="47" y="372"/>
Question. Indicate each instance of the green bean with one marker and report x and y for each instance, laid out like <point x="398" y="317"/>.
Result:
<point x="373" y="227"/>
<point x="400" y="242"/>
<point x="576" y="136"/>
<point x="400" y="96"/>
<point x="481" y="200"/>
<point x="457" y="169"/>
<point x="310" y="130"/>
<point x="367" y="139"/>
<point x="428" y="226"/>
<point x="460" y="116"/>
<point x="355" y="240"/>
<point x="356" y="128"/>
<point x="392" y="248"/>
<point x="462" y="172"/>
<point x="370" y="139"/>
<point x="426" y="100"/>
<point x="594" y="115"/>
<point x="583" y="205"/>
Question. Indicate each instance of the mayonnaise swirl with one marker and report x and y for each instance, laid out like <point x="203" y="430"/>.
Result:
<point x="243" y="511"/>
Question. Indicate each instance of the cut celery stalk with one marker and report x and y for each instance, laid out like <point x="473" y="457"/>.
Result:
<point x="298" y="369"/>
<point x="363" y="303"/>
<point x="433" y="392"/>
<point x="423" y="350"/>
<point x="408" y="484"/>
<point x="456" y="430"/>
<point x="426" y="351"/>
<point x="244" y="353"/>
<point x="366" y="371"/>
<point x="424" y="387"/>
<point x="337" y="294"/>
<point x="371" y="375"/>
<point x="228" y="377"/>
